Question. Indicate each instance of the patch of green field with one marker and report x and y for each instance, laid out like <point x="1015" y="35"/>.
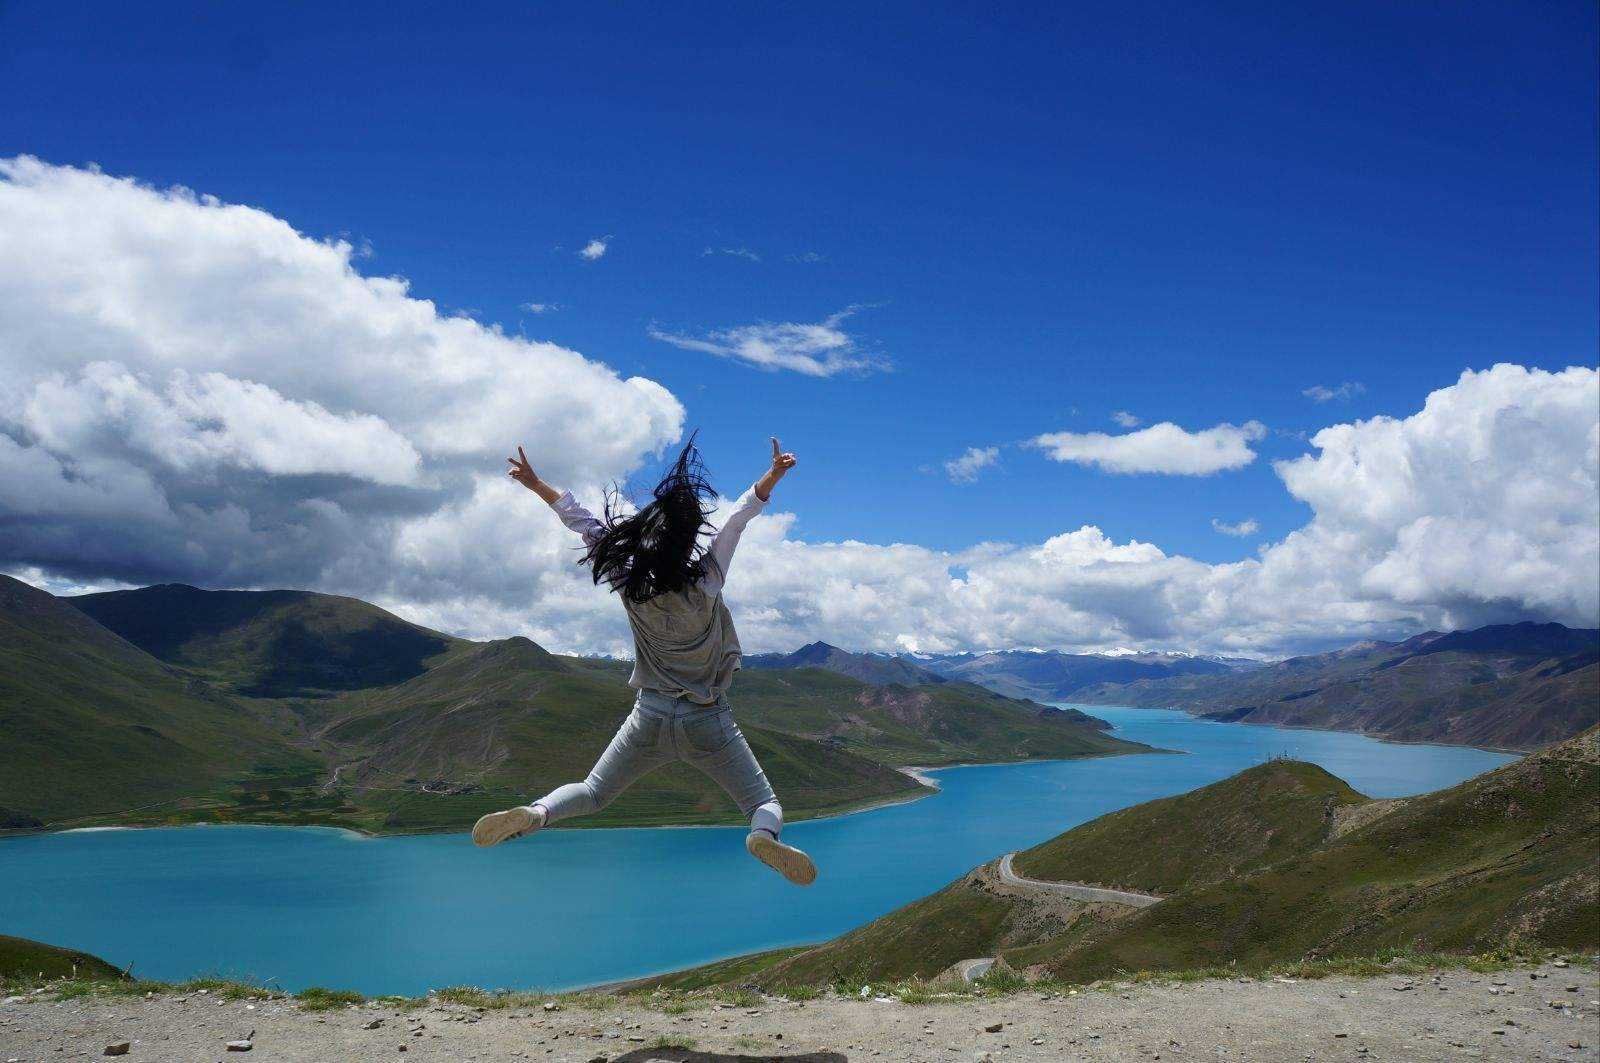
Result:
<point x="26" y="962"/>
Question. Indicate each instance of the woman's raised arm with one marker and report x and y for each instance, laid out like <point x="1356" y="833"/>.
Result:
<point x="572" y="514"/>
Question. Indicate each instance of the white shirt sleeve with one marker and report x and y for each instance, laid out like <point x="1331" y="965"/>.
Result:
<point x="727" y="538"/>
<point x="580" y="520"/>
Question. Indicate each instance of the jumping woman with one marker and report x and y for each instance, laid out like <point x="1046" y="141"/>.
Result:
<point x="685" y="653"/>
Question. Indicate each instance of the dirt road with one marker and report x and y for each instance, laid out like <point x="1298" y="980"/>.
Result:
<point x="1452" y="1015"/>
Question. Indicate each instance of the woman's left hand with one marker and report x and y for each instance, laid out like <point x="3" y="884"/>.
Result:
<point x="782" y="460"/>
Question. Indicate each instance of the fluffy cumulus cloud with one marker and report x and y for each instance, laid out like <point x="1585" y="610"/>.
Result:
<point x="1126" y="419"/>
<point x="192" y="390"/>
<point x="967" y="468"/>
<point x="1482" y="507"/>
<point x="1161" y="448"/>
<point x="822" y="349"/>
<point x="595" y="249"/>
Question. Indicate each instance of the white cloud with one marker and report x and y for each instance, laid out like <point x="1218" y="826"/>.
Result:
<point x="1161" y="448"/>
<point x="191" y="390"/>
<point x="966" y="468"/>
<point x="1483" y="507"/>
<point x="1126" y="419"/>
<point x="823" y="349"/>
<point x="1348" y="390"/>
<point x="540" y="308"/>
<point x="733" y="252"/>
<point x="1245" y="527"/>
<point x="596" y="248"/>
<point x="808" y="257"/>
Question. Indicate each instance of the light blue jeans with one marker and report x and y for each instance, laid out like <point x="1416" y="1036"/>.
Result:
<point x="661" y="730"/>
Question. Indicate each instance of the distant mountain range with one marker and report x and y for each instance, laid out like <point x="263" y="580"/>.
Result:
<point x="1040" y="675"/>
<point x="174" y="704"/>
<point x="1509" y="686"/>
<point x="1280" y="863"/>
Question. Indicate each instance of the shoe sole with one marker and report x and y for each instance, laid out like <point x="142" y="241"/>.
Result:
<point x="786" y="860"/>
<point x="496" y="827"/>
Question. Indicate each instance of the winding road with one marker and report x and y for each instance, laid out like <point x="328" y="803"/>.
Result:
<point x="972" y="970"/>
<point x="1077" y="891"/>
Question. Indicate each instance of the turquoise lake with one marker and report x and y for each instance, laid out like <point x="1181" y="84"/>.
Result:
<point x="295" y="907"/>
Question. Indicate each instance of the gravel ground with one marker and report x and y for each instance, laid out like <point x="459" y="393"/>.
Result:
<point x="1544" y="1013"/>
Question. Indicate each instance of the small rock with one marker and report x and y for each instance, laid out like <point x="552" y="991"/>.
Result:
<point x="983" y="1057"/>
<point x="119" y="1048"/>
<point x="372" y="1024"/>
<point x="993" y="1027"/>
<point x="551" y="1005"/>
<point x="1559" y="963"/>
<point x="402" y="1048"/>
<point x="240" y="1045"/>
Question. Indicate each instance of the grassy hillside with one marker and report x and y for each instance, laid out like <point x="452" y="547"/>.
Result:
<point x="26" y="961"/>
<point x="946" y="723"/>
<point x="508" y="721"/>
<point x="271" y="644"/>
<point x="91" y="723"/>
<point x="1506" y="856"/>
<point x="1251" y="820"/>
<point x="1512" y="686"/>
<point x="1280" y="863"/>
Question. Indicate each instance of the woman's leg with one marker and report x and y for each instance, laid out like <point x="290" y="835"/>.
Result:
<point x="635" y="749"/>
<point x="713" y="743"/>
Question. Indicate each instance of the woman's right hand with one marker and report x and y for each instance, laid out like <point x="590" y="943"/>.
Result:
<point x="522" y="472"/>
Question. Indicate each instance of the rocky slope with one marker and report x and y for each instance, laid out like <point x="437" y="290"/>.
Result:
<point x="1548" y="1012"/>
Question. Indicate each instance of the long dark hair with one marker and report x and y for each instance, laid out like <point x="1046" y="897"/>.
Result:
<point x="656" y="549"/>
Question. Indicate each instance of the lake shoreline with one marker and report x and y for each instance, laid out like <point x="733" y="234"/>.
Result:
<point x="1376" y="736"/>
<point x="915" y="772"/>
<point x="306" y="908"/>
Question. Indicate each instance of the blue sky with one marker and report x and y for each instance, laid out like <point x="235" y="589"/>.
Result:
<point x="1192" y="213"/>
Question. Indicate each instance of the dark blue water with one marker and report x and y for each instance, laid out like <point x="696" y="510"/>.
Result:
<point x="313" y="906"/>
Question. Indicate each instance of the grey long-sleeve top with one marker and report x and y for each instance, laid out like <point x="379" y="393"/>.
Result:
<point x="684" y="643"/>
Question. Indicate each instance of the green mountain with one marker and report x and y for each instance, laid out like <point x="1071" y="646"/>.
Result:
<point x="931" y="725"/>
<point x="91" y="723"/>
<point x="272" y="644"/>
<point x="385" y="726"/>
<point x="1510" y="686"/>
<point x="1279" y="863"/>
<point x="507" y="721"/>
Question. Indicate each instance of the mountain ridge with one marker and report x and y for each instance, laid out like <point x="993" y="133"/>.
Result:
<point x="1508" y="686"/>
